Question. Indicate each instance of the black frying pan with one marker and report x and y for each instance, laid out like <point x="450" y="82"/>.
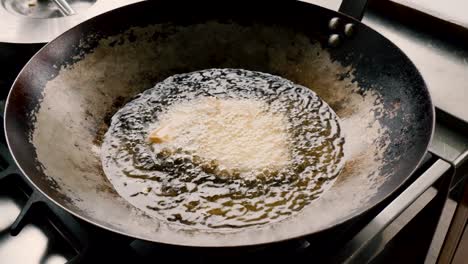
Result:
<point x="61" y="103"/>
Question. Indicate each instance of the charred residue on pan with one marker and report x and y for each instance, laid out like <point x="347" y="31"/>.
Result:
<point x="104" y="126"/>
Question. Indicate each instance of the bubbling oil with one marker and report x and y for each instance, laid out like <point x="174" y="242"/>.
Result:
<point x="176" y="185"/>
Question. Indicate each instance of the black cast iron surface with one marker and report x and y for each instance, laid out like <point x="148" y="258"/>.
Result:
<point x="376" y="61"/>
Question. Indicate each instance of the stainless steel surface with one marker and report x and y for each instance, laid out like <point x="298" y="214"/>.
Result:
<point x="17" y="25"/>
<point x="390" y="233"/>
<point x="366" y="236"/>
<point x="449" y="144"/>
<point x="441" y="231"/>
<point x="31" y="246"/>
<point x="450" y="10"/>
<point x="64" y="7"/>
<point x="455" y="231"/>
<point x="330" y="4"/>
<point x="443" y="66"/>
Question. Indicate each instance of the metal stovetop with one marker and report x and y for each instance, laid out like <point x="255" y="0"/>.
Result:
<point x="46" y="234"/>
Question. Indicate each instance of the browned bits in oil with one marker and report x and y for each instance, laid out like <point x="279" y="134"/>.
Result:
<point x="190" y="190"/>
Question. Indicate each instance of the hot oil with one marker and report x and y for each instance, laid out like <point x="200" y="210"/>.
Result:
<point x="179" y="186"/>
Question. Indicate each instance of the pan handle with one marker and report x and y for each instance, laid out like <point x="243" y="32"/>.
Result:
<point x="353" y="8"/>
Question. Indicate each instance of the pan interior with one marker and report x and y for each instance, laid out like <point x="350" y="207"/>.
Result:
<point x="70" y="104"/>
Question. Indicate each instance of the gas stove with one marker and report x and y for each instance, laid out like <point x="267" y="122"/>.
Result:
<point x="35" y="230"/>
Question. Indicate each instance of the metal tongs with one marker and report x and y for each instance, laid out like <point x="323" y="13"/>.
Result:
<point x="64" y="7"/>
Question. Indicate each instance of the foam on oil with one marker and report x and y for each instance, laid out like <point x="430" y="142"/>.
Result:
<point x="223" y="131"/>
<point x="178" y="182"/>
